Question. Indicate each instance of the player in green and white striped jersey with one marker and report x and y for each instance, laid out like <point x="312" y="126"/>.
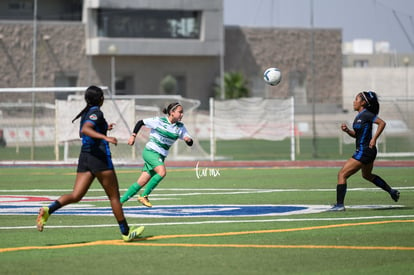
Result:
<point x="164" y="132"/>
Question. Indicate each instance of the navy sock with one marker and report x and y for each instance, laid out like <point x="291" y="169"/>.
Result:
<point x="54" y="206"/>
<point x="123" y="226"/>
<point x="378" y="181"/>
<point x="340" y="193"/>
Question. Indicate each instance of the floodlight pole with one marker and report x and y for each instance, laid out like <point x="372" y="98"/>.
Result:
<point x="112" y="50"/>
<point x="406" y="62"/>
<point x="314" y="145"/>
<point x="32" y="147"/>
<point x="222" y="86"/>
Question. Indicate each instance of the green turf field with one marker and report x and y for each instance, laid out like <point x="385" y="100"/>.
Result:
<point x="324" y="148"/>
<point x="374" y="236"/>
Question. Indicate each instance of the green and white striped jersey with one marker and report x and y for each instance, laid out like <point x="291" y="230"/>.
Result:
<point x="163" y="134"/>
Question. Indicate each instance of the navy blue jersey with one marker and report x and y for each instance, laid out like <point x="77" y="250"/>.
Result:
<point x="98" y="147"/>
<point x="363" y="129"/>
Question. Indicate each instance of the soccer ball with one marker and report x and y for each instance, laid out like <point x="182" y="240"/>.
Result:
<point x="272" y="76"/>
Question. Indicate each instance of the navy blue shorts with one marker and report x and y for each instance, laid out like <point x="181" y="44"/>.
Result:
<point x="88" y="162"/>
<point x="366" y="155"/>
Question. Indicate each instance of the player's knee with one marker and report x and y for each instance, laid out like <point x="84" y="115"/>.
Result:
<point x="368" y="177"/>
<point x="341" y="175"/>
<point x="163" y="173"/>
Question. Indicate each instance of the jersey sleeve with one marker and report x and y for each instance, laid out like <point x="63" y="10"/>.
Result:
<point x="151" y="122"/>
<point x="184" y="133"/>
<point x="94" y="116"/>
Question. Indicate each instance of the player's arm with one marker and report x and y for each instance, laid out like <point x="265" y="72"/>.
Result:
<point x="186" y="137"/>
<point x="137" y="127"/>
<point x="88" y="129"/>
<point x="345" y="128"/>
<point x="189" y="141"/>
<point x="381" y="125"/>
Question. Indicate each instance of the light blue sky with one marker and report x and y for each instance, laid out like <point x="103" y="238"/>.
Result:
<point x="358" y="19"/>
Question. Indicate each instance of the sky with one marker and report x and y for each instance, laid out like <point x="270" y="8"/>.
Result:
<point x="378" y="20"/>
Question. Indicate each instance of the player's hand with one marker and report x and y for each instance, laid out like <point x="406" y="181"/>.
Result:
<point x="372" y="143"/>
<point x="111" y="126"/>
<point x="344" y="128"/>
<point x="131" y="140"/>
<point x="112" y="140"/>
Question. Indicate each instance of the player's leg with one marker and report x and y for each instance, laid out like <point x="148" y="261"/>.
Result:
<point x="378" y="181"/>
<point x="350" y="167"/>
<point x="109" y="182"/>
<point x="136" y="186"/>
<point x="160" y="173"/>
<point x="154" y="165"/>
<point x="82" y="183"/>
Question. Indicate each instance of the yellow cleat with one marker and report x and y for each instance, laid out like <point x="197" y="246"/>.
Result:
<point x="42" y="218"/>
<point x="134" y="233"/>
<point x="144" y="201"/>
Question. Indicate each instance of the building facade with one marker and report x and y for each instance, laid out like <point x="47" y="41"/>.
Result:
<point x="132" y="45"/>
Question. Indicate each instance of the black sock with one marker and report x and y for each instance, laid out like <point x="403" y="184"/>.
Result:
<point x="54" y="206"/>
<point x="340" y="193"/>
<point x="378" y="181"/>
<point x="123" y="226"/>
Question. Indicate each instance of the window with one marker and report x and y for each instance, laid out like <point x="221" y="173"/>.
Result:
<point x="124" y="85"/>
<point x="20" y="5"/>
<point x="62" y="10"/>
<point x="149" y="23"/>
<point x="361" y="63"/>
<point x="65" y="80"/>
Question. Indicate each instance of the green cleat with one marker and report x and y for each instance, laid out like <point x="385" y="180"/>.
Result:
<point x="134" y="233"/>
<point x="42" y="218"/>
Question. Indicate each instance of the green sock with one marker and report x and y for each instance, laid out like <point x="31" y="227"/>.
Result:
<point x="132" y="190"/>
<point x="152" y="184"/>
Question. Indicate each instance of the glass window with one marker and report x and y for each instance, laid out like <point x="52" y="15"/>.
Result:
<point x="51" y="10"/>
<point x="21" y="5"/>
<point x="149" y="23"/>
<point x="65" y="80"/>
<point x="124" y="85"/>
<point x="361" y="63"/>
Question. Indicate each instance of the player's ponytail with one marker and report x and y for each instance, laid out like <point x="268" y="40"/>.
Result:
<point x="93" y="97"/>
<point x="371" y="101"/>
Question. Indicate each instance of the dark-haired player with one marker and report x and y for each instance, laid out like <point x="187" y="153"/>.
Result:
<point x="164" y="132"/>
<point x="367" y="106"/>
<point x="94" y="162"/>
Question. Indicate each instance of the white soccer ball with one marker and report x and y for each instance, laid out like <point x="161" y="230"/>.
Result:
<point x="272" y="76"/>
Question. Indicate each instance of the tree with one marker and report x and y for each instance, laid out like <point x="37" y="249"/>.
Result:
<point x="168" y="84"/>
<point x="235" y="86"/>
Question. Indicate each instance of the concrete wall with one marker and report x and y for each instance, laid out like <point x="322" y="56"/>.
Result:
<point x="252" y="50"/>
<point x="387" y="82"/>
<point x="61" y="50"/>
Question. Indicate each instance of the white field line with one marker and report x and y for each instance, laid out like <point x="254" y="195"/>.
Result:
<point x="215" y="191"/>
<point x="216" y="222"/>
